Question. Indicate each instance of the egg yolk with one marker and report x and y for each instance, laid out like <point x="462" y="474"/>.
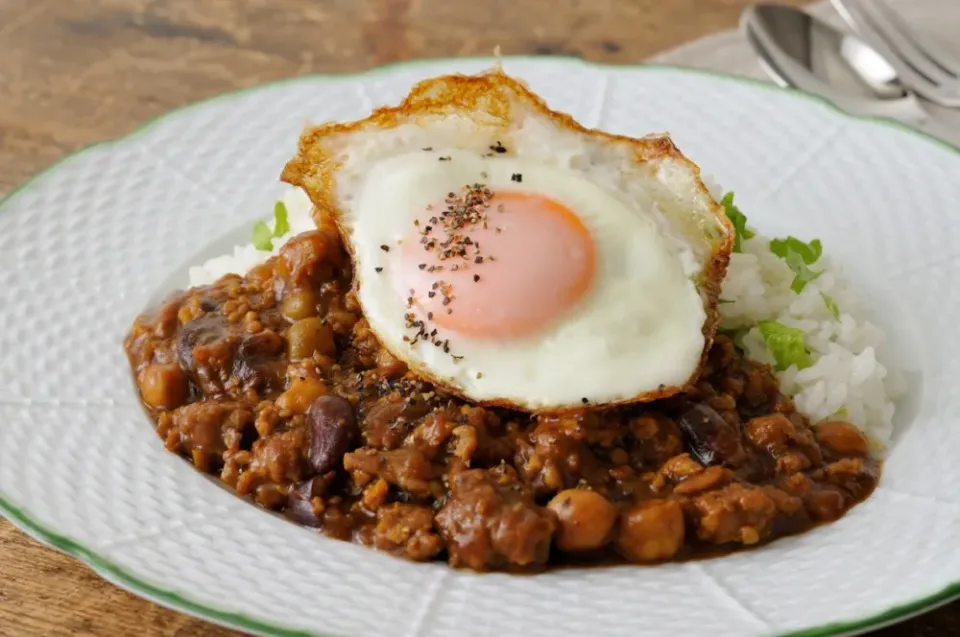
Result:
<point x="524" y="264"/>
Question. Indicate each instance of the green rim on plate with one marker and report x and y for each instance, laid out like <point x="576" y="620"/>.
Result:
<point x="176" y="601"/>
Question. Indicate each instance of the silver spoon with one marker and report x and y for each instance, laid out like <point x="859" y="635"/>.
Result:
<point x="800" y="51"/>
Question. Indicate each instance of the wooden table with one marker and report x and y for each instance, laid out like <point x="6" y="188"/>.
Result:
<point x="76" y="72"/>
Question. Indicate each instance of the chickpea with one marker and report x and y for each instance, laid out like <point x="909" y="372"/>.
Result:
<point x="680" y="467"/>
<point x="309" y="335"/>
<point x="299" y="304"/>
<point x="706" y="480"/>
<point x="651" y="531"/>
<point x="841" y="438"/>
<point x="773" y="433"/>
<point x="163" y="386"/>
<point x="586" y="518"/>
<point x="300" y="395"/>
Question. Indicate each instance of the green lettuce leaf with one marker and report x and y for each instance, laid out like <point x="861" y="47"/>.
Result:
<point x="786" y="344"/>
<point x="831" y="305"/>
<point x="262" y="236"/>
<point x="799" y="256"/>
<point x="809" y="252"/>
<point x="739" y="221"/>
<point x="281" y="220"/>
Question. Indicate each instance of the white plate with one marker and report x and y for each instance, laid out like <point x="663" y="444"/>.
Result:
<point x="85" y="245"/>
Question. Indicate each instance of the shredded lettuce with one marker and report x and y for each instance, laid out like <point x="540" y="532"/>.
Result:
<point x="809" y="252"/>
<point x="786" y="344"/>
<point x="739" y="221"/>
<point x="281" y="224"/>
<point x="263" y="236"/>
<point x="831" y="305"/>
<point x="799" y="256"/>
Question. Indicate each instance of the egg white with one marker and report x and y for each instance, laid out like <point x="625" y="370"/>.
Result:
<point x="638" y="328"/>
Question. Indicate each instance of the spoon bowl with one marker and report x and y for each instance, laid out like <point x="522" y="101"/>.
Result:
<point x="800" y="51"/>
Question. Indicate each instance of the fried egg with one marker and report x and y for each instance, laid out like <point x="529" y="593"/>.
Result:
<point x="515" y="258"/>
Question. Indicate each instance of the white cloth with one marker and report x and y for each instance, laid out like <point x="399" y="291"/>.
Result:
<point x="729" y="52"/>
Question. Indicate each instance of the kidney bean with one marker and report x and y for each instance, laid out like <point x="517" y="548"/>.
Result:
<point x="712" y="439"/>
<point x="300" y="500"/>
<point x="333" y="432"/>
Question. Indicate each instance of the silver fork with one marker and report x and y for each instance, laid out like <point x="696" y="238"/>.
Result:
<point x="921" y="64"/>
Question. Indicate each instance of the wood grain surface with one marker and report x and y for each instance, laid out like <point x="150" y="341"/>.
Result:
<point x="73" y="72"/>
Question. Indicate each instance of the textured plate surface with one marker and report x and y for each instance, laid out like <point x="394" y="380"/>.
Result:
<point x="86" y="244"/>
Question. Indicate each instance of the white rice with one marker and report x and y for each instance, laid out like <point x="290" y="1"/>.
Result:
<point x="849" y="376"/>
<point x="245" y="257"/>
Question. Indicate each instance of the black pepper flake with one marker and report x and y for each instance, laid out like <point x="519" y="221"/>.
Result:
<point x="476" y="277"/>
<point x="584" y="401"/>
<point x="456" y="358"/>
<point x="378" y="269"/>
<point x="431" y="294"/>
<point x="479" y="375"/>
<point x="661" y="387"/>
<point x="449" y="311"/>
<point x="429" y="315"/>
<point x="385" y="248"/>
<point x="428" y="148"/>
<point x="517" y="177"/>
<point x="422" y="266"/>
<point x="498" y="148"/>
<point x="478" y="260"/>
<point x="445" y="158"/>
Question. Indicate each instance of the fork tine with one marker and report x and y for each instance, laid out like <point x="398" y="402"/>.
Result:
<point x="927" y="84"/>
<point x="855" y="13"/>
<point x="905" y="46"/>
<point x="947" y="63"/>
